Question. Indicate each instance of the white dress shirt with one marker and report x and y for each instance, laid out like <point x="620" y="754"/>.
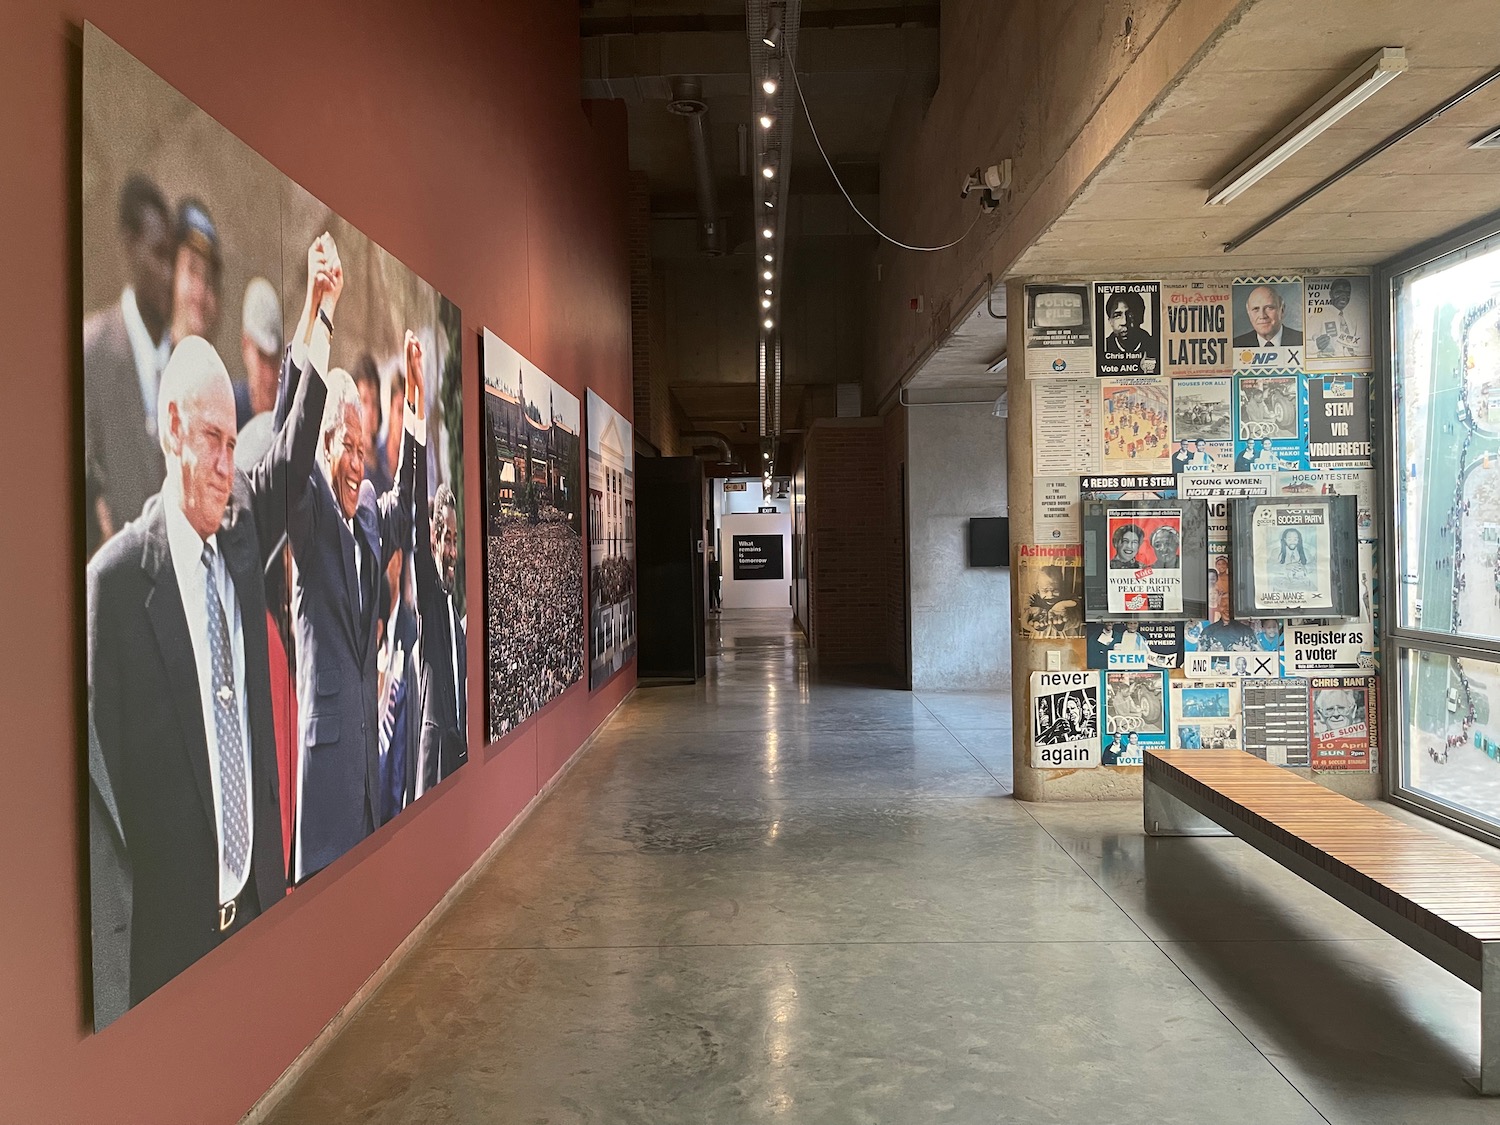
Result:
<point x="150" y="355"/>
<point x="187" y="562"/>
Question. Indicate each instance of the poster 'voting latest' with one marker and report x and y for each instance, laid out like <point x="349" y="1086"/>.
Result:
<point x="1197" y="328"/>
<point x="1145" y="563"/>
<point x="1291" y="551"/>
<point x="1064" y="720"/>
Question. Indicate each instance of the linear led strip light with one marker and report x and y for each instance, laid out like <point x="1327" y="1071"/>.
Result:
<point x="1383" y="66"/>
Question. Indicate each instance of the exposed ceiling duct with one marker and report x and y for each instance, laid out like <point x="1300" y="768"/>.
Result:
<point x="687" y="102"/>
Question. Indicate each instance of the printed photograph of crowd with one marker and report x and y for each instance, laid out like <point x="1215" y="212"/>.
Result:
<point x="274" y="526"/>
<point x="533" y="537"/>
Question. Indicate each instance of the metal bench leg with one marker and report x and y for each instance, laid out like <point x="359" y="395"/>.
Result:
<point x="1165" y="815"/>
<point x="1488" y="1081"/>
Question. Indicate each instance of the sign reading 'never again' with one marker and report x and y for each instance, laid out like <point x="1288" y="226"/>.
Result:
<point x="756" y="557"/>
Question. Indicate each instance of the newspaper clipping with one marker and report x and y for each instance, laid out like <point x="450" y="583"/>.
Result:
<point x="1064" y="427"/>
<point x="1129" y="337"/>
<point x="1197" y="321"/>
<point x="1290" y="549"/>
<point x="1275" y="717"/>
<point x="1145" y="563"/>
<point x="1049" y="579"/>
<point x="1338" y="324"/>
<point x="1064" y="720"/>
<point x="1059" y="336"/>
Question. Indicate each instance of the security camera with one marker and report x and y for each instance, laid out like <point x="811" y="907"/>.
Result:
<point x="994" y="181"/>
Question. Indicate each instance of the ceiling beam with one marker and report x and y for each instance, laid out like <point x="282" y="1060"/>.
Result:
<point x="923" y="13"/>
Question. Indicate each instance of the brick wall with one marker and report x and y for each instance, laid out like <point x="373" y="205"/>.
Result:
<point x="848" y="541"/>
<point x="658" y="417"/>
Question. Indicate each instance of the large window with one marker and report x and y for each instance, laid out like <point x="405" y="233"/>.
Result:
<point x="1444" y="482"/>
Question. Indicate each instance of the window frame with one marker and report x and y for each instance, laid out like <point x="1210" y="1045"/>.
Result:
<point x="1397" y="639"/>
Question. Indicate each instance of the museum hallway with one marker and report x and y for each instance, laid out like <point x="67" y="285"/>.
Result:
<point x="774" y="896"/>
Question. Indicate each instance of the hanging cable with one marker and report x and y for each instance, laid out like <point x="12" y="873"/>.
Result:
<point x="813" y="129"/>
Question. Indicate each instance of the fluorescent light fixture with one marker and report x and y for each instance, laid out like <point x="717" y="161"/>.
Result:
<point x="1381" y="67"/>
<point x="1000" y="366"/>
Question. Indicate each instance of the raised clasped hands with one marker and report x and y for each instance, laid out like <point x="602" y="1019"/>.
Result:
<point x="415" y="387"/>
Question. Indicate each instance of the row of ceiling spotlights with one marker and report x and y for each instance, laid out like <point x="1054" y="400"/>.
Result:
<point x="770" y="83"/>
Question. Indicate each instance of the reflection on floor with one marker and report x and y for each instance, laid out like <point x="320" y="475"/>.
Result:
<point x="779" y="896"/>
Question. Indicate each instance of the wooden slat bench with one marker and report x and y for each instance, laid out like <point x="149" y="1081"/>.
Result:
<point x="1439" y="899"/>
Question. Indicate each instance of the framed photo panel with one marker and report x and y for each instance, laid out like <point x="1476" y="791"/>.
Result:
<point x="1295" y="556"/>
<point x="1145" y="560"/>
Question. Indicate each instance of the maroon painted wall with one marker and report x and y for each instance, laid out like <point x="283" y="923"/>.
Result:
<point x="451" y="134"/>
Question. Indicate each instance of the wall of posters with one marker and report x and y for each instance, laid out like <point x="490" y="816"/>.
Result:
<point x="1059" y="330"/>
<point x="1065" y="718"/>
<point x="274" y="514"/>
<point x="1135" y="716"/>
<point x="1339" y="336"/>
<point x="1128" y="341"/>
<point x="1197" y="327"/>
<point x="1049" y="587"/>
<point x="1211" y="391"/>
<point x="533" y="514"/>
<point x="1267" y="323"/>
<point x="611" y="514"/>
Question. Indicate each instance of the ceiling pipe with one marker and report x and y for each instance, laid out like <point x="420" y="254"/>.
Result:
<point x="687" y="102"/>
<point x="713" y="438"/>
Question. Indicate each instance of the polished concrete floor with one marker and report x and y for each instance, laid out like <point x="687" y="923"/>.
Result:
<point x="776" y="896"/>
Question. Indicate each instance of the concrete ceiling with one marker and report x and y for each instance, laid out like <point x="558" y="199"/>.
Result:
<point x="1144" y="211"/>
<point x="855" y="59"/>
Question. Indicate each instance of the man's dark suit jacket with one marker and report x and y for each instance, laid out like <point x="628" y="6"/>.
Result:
<point x="154" y="846"/>
<point x="123" y="462"/>
<point x="335" y="612"/>
<point x="444" y="741"/>
<point x="1289" y="337"/>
